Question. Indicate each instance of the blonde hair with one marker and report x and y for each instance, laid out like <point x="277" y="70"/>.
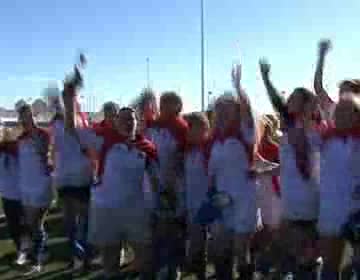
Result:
<point x="268" y="126"/>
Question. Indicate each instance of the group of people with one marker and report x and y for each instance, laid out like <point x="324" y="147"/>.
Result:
<point x="271" y="192"/>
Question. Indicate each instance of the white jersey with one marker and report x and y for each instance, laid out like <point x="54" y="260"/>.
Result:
<point x="34" y="176"/>
<point x="122" y="179"/>
<point x="299" y="196"/>
<point x="196" y="180"/>
<point x="73" y="167"/>
<point x="229" y="167"/>
<point x="335" y="185"/>
<point x="9" y="176"/>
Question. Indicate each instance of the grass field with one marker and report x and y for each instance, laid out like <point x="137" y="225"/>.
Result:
<point x="59" y="256"/>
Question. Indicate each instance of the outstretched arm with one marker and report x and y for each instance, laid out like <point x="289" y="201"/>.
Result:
<point x="325" y="100"/>
<point x="276" y="98"/>
<point x="69" y="107"/>
<point x="245" y="110"/>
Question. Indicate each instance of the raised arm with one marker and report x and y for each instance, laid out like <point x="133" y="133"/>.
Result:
<point x="69" y="107"/>
<point x="246" y="111"/>
<point x="325" y="100"/>
<point x="276" y="98"/>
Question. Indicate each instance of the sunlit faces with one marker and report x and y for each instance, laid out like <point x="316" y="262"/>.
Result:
<point x="25" y="117"/>
<point x="126" y="122"/>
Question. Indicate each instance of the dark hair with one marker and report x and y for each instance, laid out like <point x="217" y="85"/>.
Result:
<point x="353" y="85"/>
<point x="23" y="108"/>
<point x="172" y="97"/>
<point x="196" y="119"/>
<point x="110" y="106"/>
<point x="306" y="94"/>
<point x="124" y="109"/>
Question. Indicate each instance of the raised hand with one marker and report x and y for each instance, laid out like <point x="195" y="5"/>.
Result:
<point x="76" y="81"/>
<point x="324" y="47"/>
<point x="236" y="76"/>
<point x="325" y="100"/>
<point x="264" y="67"/>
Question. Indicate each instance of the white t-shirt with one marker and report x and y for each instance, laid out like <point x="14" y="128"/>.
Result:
<point x="229" y="163"/>
<point x="299" y="196"/>
<point x="335" y="184"/>
<point x="122" y="179"/>
<point x="34" y="176"/>
<point x="73" y="167"/>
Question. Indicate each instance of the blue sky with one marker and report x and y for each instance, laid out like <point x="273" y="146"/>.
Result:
<point x="40" y="40"/>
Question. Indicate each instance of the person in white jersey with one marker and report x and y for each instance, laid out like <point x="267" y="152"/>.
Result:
<point x="73" y="176"/>
<point x="34" y="182"/>
<point x="10" y="193"/>
<point x="339" y="199"/>
<point x="299" y="173"/>
<point x="230" y="171"/>
<point x="196" y="189"/>
<point x="168" y="132"/>
<point x="117" y="203"/>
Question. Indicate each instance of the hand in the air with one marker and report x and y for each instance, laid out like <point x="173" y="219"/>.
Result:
<point x="324" y="47"/>
<point x="236" y="76"/>
<point x="264" y="67"/>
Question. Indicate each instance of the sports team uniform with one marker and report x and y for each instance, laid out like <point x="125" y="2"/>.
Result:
<point x="73" y="176"/>
<point x="230" y="161"/>
<point x="119" y="197"/>
<point x="339" y="178"/>
<point x="35" y="185"/>
<point x="299" y="194"/>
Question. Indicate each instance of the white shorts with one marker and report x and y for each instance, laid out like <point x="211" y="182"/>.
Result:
<point x="111" y="225"/>
<point x="269" y="204"/>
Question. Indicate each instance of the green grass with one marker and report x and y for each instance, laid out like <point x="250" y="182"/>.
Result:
<point x="59" y="255"/>
<point x="59" y="251"/>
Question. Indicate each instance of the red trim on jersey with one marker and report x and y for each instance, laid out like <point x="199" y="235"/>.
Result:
<point x="112" y="137"/>
<point x="177" y="126"/>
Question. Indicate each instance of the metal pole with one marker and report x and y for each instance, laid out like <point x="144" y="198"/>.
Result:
<point x="148" y="71"/>
<point x="202" y="59"/>
<point x="208" y="98"/>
